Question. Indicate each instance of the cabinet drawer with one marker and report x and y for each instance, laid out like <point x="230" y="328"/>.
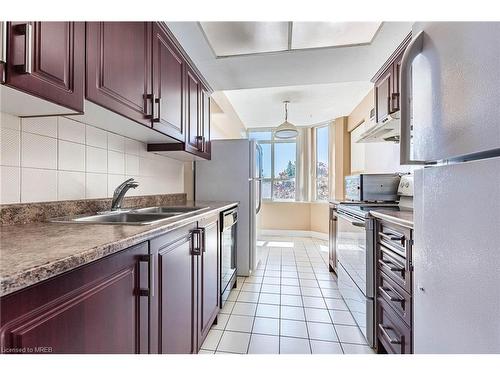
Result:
<point x="392" y="332"/>
<point x="395" y="237"/>
<point x="394" y="296"/>
<point x="395" y="266"/>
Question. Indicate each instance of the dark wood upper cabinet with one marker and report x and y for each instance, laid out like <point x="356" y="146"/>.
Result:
<point x="205" y="122"/>
<point x="168" y="85"/>
<point x="119" y="68"/>
<point x="209" y="274"/>
<point x="387" y="83"/>
<point x="102" y="307"/>
<point x="193" y="113"/>
<point x="46" y="59"/>
<point x="175" y="309"/>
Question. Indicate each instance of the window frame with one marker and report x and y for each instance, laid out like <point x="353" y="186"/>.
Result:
<point x="315" y="171"/>
<point x="273" y="141"/>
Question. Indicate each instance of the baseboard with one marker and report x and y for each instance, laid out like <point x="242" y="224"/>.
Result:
<point x="294" y="233"/>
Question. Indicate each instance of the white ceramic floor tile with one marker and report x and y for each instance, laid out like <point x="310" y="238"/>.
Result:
<point x="267" y="288"/>
<point x="248" y="297"/>
<point x="328" y="284"/>
<point x="325" y="347"/>
<point x="293" y="328"/>
<point x="248" y="287"/>
<point x="268" y="311"/>
<point x="315" y="302"/>
<point x="269" y="298"/>
<point x="264" y="344"/>
<point x="244" y="308"/>
<point x="212" y="340"/>
<point x="357" y="349"/>
<point x="350" y="334"/>
<point x="221" y="321"/>
<point x="342" y="317"/>
<point x="271" y="280"/>
<point x="239" y="323"/>
<point x="309" y="283"/>
<point x="317" y="315"/>
<point x="321" y="331"/>
<point x="253" y="280"/>
<point x="291" y="300"/>
<point x="266" y="326"/>
<point x="287" y="289"/>
<point x="292" y="312"/>
<point x="331" y="293"/>
<point x="234" y="342"/>
<point x="336" y="304"/>
<point x="228" y="307"/>
<point x="292" y="345"/>
<point x="290" y="282"/>
<point x="233" y="295"/>
<point x="311" y="292"/>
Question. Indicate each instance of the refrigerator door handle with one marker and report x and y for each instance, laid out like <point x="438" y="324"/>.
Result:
<point x="259" y="151"/>
<point x="413" y="50"/>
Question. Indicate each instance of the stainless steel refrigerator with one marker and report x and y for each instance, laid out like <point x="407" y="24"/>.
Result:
<point x="450" y="123"/>
<point x="234" y="173"/>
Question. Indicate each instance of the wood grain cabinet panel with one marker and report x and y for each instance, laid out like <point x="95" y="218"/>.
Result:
<point x="168" y="85"/>
<point x="209" y="276"/>
<point x="97" y="308"/>
<point x="46" y="59"/>
<point x="119" y="68"/>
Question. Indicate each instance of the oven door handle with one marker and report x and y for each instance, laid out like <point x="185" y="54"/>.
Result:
<point x="356" y="223"/>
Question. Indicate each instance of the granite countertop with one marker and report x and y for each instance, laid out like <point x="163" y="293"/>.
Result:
<point x="30" y="253"/>
<point x="402" y="217"/>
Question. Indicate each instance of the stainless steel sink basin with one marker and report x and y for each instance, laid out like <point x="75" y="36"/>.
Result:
<point x="169" y="210"/>
<point x="141" y="216"/>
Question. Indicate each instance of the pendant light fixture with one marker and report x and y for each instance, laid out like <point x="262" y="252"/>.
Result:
<point x="286" y="130"/>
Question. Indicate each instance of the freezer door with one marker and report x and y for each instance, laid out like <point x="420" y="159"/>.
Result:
<point x="454" y="73"/>
<point x="456" y="258"/>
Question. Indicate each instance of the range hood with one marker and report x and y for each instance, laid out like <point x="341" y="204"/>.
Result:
<point x="386" y="130"/>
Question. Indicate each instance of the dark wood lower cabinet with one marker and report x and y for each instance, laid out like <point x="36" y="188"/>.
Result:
<point x="175" y="306"/>
<point x="209" y="276"/>
<point x="97" y="308"/>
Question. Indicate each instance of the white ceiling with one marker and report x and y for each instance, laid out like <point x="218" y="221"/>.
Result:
<point x="243" y="38"/>
<point x="321" y="83"/>
<point x="309" y="105"/>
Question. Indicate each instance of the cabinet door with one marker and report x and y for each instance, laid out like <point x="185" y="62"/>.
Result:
<point x="177" y="281"/>
<point x="46" y="59"/>
<point x="193" y="136"/>
<point x="98" y="308"/>
<point x="383" y="92"/>
<point x="209" y="282"/>
<point x="168" y="73"/>
<point x="205" y="122"/>
<point x="119" y="68"/>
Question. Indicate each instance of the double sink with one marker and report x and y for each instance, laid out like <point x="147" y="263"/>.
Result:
<point x="139" y="216"/>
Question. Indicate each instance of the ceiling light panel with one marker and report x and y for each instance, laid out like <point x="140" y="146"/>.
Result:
<point x="241" y="38"/>
<point x="332" y="34"/>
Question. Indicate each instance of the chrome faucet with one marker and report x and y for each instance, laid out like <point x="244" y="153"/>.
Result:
<point x="120" y="192"/>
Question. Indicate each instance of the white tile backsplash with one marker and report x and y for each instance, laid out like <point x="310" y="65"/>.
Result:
<point x="70" y="185"/>
<point x="58" y="158"/>
<point x="40" y="125"/>
<point x="71" y="156"/>
<point x="71" y="130"/>
<point x="38" y="151"/>
<point x="10" y="147"/>
<point x="10" y="184"/>
<point x="97" y="160"/>
<point x="38" y="185"/>
<point x="116" y="162"/>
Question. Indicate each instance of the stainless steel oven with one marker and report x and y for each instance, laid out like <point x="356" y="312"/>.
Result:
<point x="229" y="221"/>
<point x="355" y="268"/>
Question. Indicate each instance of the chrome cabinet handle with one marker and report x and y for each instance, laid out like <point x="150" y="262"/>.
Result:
<point x="3" y="40"/>
<point x="27" y="30"/>
<point x="157" y="103"/>
<point x="386" y="334"/>
<point x="385" y="292"/>
<point x="392" y="237"/>
<point x="196" y="242"/>
<point x="391" y="265"/>
<point x="356" y="223"/>
<point x="150" y="292"/>
<point x="413" y="50"/>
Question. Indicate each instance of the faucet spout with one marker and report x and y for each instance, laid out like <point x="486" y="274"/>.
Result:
<point x="120" y="192"/>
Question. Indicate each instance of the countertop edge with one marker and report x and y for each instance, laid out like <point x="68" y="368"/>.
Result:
<point x="26" y="278"/>
<point x="392" y="219"/>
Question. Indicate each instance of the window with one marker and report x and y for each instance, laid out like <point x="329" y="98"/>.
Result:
<point x="279" y="165"/>
<point x="322" y="137"/>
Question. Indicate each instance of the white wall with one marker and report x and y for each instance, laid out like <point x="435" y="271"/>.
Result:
<point x="57" y="158"/>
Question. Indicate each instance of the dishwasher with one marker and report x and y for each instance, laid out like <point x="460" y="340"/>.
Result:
<point x="228" y="269"/>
